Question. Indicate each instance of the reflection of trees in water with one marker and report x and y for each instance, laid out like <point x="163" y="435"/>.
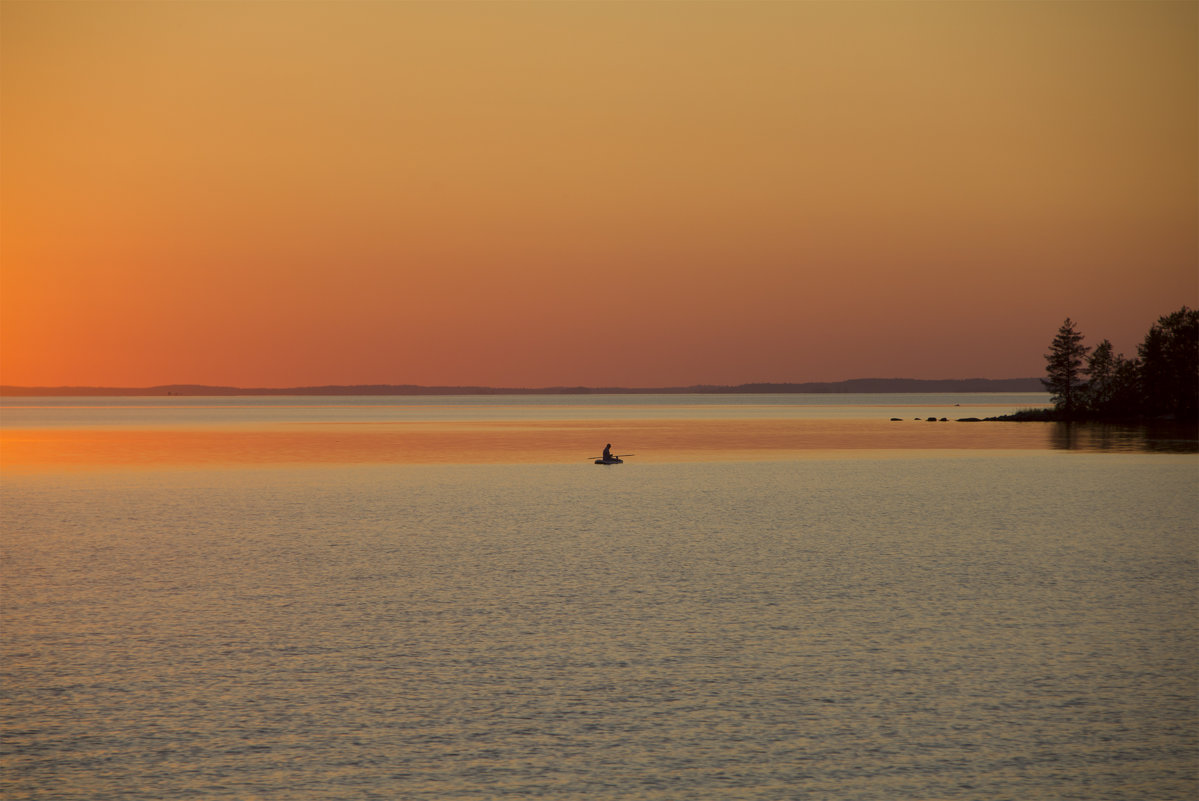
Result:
<point x="1158" y="437"/>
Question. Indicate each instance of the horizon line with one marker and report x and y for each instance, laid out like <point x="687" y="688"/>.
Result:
<point x="861" y="385"/>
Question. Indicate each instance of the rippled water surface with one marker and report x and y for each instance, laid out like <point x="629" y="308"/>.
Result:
<point x="958" y="623"/>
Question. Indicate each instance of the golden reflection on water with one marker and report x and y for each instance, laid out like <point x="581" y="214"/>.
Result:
<point x="477" y="442"/>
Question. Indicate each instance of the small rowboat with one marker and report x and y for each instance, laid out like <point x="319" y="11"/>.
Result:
<point x="616" y="459"/>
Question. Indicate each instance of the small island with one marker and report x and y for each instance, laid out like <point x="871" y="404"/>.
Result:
<point x="1161" y="384"/>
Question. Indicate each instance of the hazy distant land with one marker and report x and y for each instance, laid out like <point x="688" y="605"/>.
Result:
<point x="862" y="385"/>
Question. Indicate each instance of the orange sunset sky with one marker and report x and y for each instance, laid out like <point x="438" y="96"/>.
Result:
<point x="597" y="193"/>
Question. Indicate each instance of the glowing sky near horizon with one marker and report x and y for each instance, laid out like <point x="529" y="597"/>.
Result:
<point x="607" y="194"/>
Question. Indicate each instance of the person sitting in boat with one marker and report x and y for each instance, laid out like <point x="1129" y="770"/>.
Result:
<point x="608" y="452"/>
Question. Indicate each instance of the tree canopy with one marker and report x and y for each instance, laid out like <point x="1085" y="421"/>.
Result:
<point x="1065" y="356"/>
<point x="1162" y="382"/>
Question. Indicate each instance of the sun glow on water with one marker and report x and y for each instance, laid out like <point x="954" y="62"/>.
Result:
<point x="751" y="607"/>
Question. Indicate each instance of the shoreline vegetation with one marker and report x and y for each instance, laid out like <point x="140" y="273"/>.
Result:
<point x="857" y="385"/>
<point x="1159" y="385"/>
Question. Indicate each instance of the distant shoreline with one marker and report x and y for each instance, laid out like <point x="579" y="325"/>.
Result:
<point x="857" y="385"/>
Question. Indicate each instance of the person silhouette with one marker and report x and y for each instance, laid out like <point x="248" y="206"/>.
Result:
<point x="608" y="452"/>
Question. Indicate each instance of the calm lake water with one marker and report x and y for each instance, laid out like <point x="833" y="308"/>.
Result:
<point x="778" y="597"/>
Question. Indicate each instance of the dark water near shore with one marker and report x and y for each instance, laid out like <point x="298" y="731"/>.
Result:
<point x="771" y="623"/>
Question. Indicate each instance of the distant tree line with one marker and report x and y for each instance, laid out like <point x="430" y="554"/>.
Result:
<point x="1162" y="382"/>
